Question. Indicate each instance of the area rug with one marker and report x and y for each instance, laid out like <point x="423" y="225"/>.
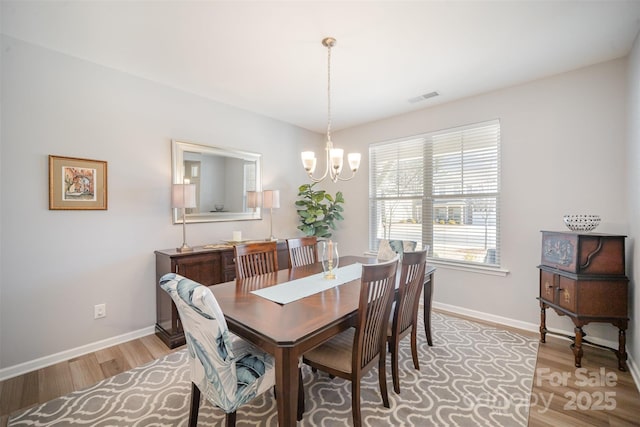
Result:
<point x="473" y="375"/>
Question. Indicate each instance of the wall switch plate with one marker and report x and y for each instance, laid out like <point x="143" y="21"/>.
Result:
<point x="99" y="311"/>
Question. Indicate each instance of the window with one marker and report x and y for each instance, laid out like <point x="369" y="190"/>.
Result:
<point x="440" y="189"/>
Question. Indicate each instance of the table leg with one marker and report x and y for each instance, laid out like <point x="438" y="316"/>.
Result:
<point x="428" y="298"/>
<point x="287" y="386"/>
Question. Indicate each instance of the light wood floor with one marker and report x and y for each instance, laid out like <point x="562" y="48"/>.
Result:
<point x="551" y="397"/>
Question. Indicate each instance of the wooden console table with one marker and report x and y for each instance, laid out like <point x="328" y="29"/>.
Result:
<point x="583" y="276"/>
<point x="208" y="266"/>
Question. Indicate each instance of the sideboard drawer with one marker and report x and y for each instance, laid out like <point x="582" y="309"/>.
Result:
<point x="567" y="293"/>
<point x="228" y="266"/>
<point x="583" y="253"/>
<point x="547" y="286"/>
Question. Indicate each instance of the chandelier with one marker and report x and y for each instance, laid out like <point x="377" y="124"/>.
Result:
<point x="334" y="156"/>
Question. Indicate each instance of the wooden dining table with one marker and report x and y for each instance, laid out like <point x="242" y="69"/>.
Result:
<point x="289" y="330"/>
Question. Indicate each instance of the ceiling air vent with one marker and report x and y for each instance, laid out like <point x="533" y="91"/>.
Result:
<point x="423" y="97"/>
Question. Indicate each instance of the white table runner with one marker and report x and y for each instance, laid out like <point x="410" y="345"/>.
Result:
<point x="287" y="292"/>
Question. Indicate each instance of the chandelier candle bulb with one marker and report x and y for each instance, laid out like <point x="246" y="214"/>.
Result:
<point x="308" y="161"/>
<point x="354" y="161"/>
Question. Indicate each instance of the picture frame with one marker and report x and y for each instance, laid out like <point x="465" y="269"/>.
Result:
<point x="77" y="184"/>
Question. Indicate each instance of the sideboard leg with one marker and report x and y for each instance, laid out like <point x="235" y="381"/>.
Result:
<point x="577" y="346"/>
<point x="622" y="352"/>
<point x="543" y="322"/>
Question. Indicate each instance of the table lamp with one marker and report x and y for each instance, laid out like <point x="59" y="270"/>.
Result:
<point x="183" y="196"/>
<point x="271" y="201"/>
<point x="254" y="199"/>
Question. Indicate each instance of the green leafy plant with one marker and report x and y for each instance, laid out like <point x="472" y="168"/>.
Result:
<point x="318" y="211"/>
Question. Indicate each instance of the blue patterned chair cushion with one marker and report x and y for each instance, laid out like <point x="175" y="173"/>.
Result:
<point x="228" y="370"/>
<point x="388" y="249"/>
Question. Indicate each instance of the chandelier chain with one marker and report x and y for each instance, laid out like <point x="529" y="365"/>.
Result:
<point x="329" y="92"/>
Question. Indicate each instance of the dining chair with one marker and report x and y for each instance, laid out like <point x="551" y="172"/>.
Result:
<point x="388" y="249"/>
<point x="226" y="369"/>
<point x="256" y="258"/>
<point x="354" y="352"/>
<point x="302" y="251"/>
<point x="404" y="318"/>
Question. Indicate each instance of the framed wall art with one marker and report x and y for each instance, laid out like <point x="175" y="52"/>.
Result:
<point x="75" y="183"/>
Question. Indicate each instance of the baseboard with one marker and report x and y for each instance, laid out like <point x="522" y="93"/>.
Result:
<point x="527" y="326"/>
<point x="43" y="362"/>
<point x="487" y="317"/>
<point x="634" y="369"/>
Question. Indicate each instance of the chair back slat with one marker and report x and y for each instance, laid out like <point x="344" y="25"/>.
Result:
<point x="376" y="295"/>
<point x="256" y="258"/>
<point x="303" y="251"/>
<point x="411" y="284"/>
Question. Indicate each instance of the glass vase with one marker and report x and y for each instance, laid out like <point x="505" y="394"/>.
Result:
<point x="329" y="258"/>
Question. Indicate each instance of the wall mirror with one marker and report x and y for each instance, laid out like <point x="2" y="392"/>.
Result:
<point x="222" y="177"/>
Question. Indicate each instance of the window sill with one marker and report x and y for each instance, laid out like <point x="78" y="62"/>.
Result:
<point x="493" y="271"/>
<point x="482" y="269"/>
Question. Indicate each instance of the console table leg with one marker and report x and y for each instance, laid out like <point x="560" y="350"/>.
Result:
<point x="577" y="346"/>
<point x="543" y="323"/>
<point x="622" y="352"/>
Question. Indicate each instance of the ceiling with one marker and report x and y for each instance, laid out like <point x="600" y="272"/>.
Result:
<point x="267" y="56"/>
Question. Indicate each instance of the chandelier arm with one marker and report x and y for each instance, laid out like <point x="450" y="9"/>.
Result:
<point x="326" y="167"/>
<point x="353" y="175"/>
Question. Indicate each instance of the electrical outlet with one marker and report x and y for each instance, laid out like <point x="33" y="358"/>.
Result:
<point x="99" y="311"/>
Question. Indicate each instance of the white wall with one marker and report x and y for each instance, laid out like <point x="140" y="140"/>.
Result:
<point x="563" y="151"/>
<point x="56" y="265"/>
<point x="633" y="195"/>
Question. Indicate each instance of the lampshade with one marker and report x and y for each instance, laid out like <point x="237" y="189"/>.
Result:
<point x="254" y="199"/>
<point x="183" y="196"/>
<point x="271" y="199"/>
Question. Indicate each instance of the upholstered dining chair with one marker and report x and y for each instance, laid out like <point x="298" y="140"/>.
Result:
<point x="354" y="352"/>
<point x="302" y="251"/>
<point x="256" y="258"/>
<point x="388" y="249"/>
<point x="226" y="369"/>
<point x="404" y="318"/>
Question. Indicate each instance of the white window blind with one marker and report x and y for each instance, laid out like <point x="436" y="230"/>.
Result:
<point x="440" y="189"/>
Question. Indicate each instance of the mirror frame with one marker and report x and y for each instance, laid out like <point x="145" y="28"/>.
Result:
<point x="178" y="149"/>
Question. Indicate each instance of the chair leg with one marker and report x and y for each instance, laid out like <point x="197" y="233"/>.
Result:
<point x="382" y="378"/>
<point x="230" y="419"/>
<point x="195" y="405"/>
<point x="394" y="365"/>
<point x="355" y="402"/>
<point x="414" y="347"/>
<point x="300" y="395"/>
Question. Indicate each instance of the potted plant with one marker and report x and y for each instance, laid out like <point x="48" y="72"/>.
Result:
<point x="318" y="210"/>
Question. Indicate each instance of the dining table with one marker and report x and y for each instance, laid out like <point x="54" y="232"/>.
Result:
<point x="288" y="330"/>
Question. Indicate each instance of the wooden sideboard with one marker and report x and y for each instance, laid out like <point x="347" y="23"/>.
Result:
<point x="208" y="266"/>
<point x="583" y="277"/>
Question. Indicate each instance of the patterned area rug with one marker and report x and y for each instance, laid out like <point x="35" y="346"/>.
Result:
<point x="473" y="375"/>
